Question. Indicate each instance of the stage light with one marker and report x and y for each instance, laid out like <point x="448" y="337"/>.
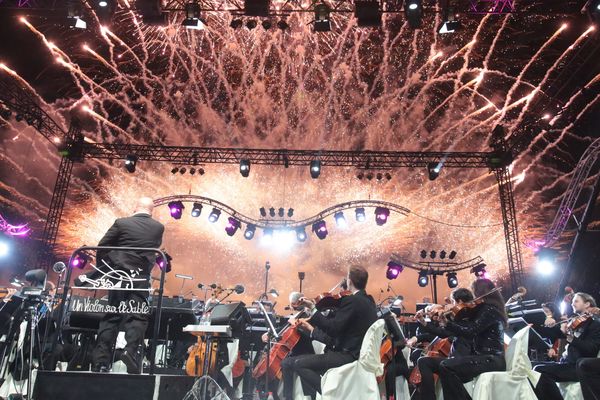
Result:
<point x="360" y="214"/>
<point x="182" y="170"/>
<point x="4" y="248"/>
<point x="176" y="209"/>
<point x="434" y="169"/>
<point x="290" y="213"/>
<point x="322" y="20"/>
<point x="300" y="234"/>
<point x="281" y="212"/>
<point x="245" y="168"/>
<point x="130" y="163"/>
<point x="320" y="229"/>
<point x="103" y="3"/>
<point x="381" y="215"/>
<point x="432" y="254"/>
<point x="251" y="24"/>
<point x="388" y="176"/>
<point x="201" y="171"/>
<point x="272" y="211"/>
<point x="452" y="255"/>
<point x="379" y="176"/>
<point x="232" y="226"/>
<point x="214" y="215"/>
<point x="267" y="237"/>
<point x="164" y="264"/>
<point x="479" y="271"/>
<point x="594" y="10"/>
<point x="452" y="280"/>
<point x="175" y="170"/>
<point x="274" y="293"/>
<point x="236" y="23"/>
<point x="546" y="261"/>
<point x="79" y="260"/>
<point x="263" y="212"/>
<point x="192" y="171"/>
<point x="315" y="169"/>
<point x="250" y="230"/>
<point x="192" y="17"/>
<point x="443" y="254"/>
<point x="360" y="175"/>
<point x="340" y="220"/>
<point x="282" y="25"/>
<point x="423" y="279"/>
<point x="423" y="254"/>
<point x="393" y="270"/>
<point x="266" y="24"/>
<point x="196" y="210"/>
<point x="367" y="13"/>
<point x="369" y="175"/>
<point x="413" y="11"/>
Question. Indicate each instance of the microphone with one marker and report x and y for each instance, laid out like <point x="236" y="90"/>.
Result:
<point x="59" y="267"/>
<point x="267" y="265"/>
<point x="213" y="285"/>
<point x="239" y="289"/>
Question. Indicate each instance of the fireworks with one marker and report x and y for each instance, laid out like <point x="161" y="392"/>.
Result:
<point x="348" y="89"/>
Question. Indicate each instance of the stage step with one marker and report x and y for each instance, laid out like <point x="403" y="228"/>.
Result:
<point x="52" y="385"/>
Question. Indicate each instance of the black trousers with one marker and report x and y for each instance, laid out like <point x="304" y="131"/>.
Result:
<point x="310" y="368"/>
<point x="553" y="372"/>
<point x="134" y="326"/>
<point x="455" y="371"/>
<point x="428" y="366"/>
<point x="588" y="372"/>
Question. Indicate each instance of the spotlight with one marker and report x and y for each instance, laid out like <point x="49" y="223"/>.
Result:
<point x="320" y="229"/>
<point x="263" y="212"/>
<point x="369" y="175"/>
<point x="251" y="24"/>
<point x="130" y="163"/>
<point x="393" y="270"/>
<point x="245" y="168"/>
<point x="432" y="254"/>
<point x="164" y="264"/>
<point x="175" y="170"/>
<point x="381" y="215"/>
<point x="388" y="176"/>
<point x="196" y="210"/>
<point x="232" y="226"/>
<point x="360" y="175"/>
<point x="479" y="271"/>
<point x="413" y="11"/>
<point x="4" y="249"/>
<point x="315" y="169"/>
<point x="182" y="170"/>
<point x="452" y="255"/>
<point x="434" y="169"/>
<point x="272" y="211"/>
<point x="340" y="220"/>
<point x="214" y="215"/>
<point x="236" y="23"/>
<point x="176" y="209"/>
<point x="546" y="261"/>
<point x="266" y="24"/>
<point x="103" y="3"/>
<point x="593" y="10"/>
<point x="79" y="260"/>
<point x="192" y="171"/>
<point x="281" y="212"/>
<point x="250" y="230"/>
<point x="379" y="176"/>
<point x="192" y="17"/>
<point x="423" y="279"/>
<point x="443" y="254"/>
<point x="267" y="236"/>
<point x="452" y="280"/>
<point x="367" y="13"/>
<point x="201" y="171"/>
<point x="322" y="21"/>
<point x="423" y="254"/>
<point x="281" y="24"/>
<point x="290" y="213"/>
<point x="300" y="234"/>
<point x="360" y="214"/>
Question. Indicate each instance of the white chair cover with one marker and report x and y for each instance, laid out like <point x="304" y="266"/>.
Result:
<point x="570" y="390"/>
<point x="232" y="353"/>
<point x="358" y="379"/>
<point x="512" y="384"/>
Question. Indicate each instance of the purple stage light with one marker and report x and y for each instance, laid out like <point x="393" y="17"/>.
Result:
<point x="232" y="226"/>
<point x="320" y="229"/>
<point x="393" y="271"/>
<point x="79" y="261"/>
<point x="176" y="209"/>
<point x="13" y="230"/>
<point x="381" y="215"/>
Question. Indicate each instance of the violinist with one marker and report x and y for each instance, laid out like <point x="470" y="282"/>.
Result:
<point x="582" y="334"/>
<point x="483" y="328"/>
<point x="551" y="329"/>
<point x="588" y="372"/>
<point x="429" y="365"/>
<point x="347" y="328"/>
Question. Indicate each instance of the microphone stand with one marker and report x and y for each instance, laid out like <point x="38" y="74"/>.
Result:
<point x="267" y="267"/>
<point x="272" y="334"/>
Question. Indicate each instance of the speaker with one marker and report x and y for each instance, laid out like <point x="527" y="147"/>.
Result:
<point x="234" y="314"/>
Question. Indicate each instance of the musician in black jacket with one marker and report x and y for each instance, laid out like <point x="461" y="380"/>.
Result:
<point x="139" y="230"/>
<point x="347" y="328"/>
<point x="582" y="342"/>
<point x="485" y="329"/>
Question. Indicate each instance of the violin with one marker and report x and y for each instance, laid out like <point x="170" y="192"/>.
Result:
<point x="574" y="323"/>
<point x="459" y="310"/>
<point x="330" y="300"/>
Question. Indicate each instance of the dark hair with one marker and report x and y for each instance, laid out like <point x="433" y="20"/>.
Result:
<point x="483" y="286"/>
<point x="553" y="309"/>
<point x="462" y="294"/>
<point x="359" y="276"/>
<point x="586" y="298"/>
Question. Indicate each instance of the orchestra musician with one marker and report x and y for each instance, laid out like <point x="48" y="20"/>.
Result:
<point x="346" y="327"/>
<point x="517" y="297"/>
<point x="461" y="346"/>
<point x="583" y="341"/>
<point x="484" y="329"/>
<point x="138" y="230"/>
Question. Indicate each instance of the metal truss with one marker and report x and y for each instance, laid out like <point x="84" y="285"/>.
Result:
<point x="360" y="159"/>
<point x="439" y="268"/>
<point x="511" y="231"/>
<point x="282" y="223"/>
<point x="492" y="6"/>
